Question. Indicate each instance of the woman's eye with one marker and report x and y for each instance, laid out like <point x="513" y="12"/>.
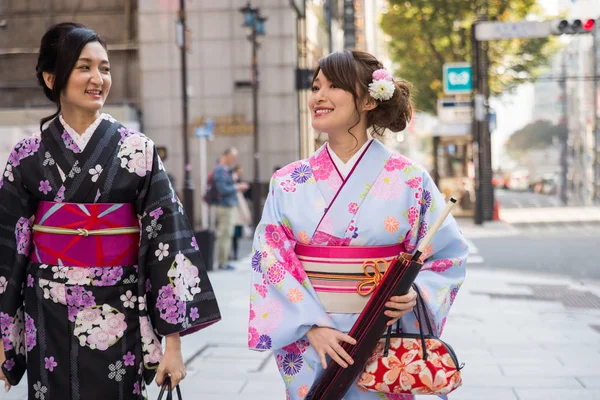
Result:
<point x="315" y="89"/>
<point x="84" y="67"/>
<point x="333" y="87"/>
<point x="106" y="69"/>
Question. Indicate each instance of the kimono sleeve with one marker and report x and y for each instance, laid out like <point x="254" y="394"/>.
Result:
<point x="179" y="295"/>
<point x="444" y="269"/>
<point x="283" y="305"/>
<point x="17" y="209"/>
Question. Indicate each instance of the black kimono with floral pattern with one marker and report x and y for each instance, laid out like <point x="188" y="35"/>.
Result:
<point x="55" y="319"/>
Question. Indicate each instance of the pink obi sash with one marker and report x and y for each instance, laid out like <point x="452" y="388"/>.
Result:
<point x="85" y="235"/>
<point x="345" y="276"/>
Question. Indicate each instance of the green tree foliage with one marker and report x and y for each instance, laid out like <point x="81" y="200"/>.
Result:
<point x="425" y="34"/>
<point x="536" y="135"/>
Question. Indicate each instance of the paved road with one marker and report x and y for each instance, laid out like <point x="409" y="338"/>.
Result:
<point x="567" y="245"/>
<point x="512" y="199"/>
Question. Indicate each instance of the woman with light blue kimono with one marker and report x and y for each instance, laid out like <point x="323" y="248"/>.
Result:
<point x="353" y="200"/>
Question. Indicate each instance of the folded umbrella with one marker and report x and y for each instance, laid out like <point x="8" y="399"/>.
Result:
<point x="335" y="381"/>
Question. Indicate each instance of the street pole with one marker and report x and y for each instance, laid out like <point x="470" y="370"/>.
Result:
<point x="476" y="128"/>
<point x="564" y="139"/>
<point x="256" y="192"/>
<point x="188" y="188"/>
<point x="596" y="148"/>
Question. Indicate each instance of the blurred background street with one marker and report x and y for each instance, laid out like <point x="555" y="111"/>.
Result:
<point x="507" y="119"/>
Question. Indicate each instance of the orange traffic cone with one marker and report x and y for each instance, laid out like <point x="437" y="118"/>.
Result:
<point x="496" y="210"/>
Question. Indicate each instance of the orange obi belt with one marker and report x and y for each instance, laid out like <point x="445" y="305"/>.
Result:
<point x="345" y="276"/>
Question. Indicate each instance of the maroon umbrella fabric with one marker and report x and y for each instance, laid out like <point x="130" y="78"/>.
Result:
<point x="370" y="326"/>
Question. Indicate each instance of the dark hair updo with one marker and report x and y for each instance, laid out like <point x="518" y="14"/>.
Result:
<point x="59" y="51"/>
<point x="352" y="70"/>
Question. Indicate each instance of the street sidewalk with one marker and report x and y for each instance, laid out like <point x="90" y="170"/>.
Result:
<point x="521" y="337"/>
<point x="550" y="215"/>
<point x="515" y="345"/>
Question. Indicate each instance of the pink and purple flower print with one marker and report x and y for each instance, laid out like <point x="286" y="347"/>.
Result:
<point x="50" y="363"/>
<point x="321" y="165"/>
<point x="30" y="332"/>
<point x="264" y="342"/>
<point x="301" y="174"/>
<point x="256" y="257"/>
<point x="253" y="337"/>
<point x="107" y="276"/>
<point x="292" y="364"/>
<point x="23" y="235"/>
<point x="24" y="149"/>
<point x="9" y="364"/>
<point x="78" y="298"/>
<point x="172" y="308"/>
<point x="129" y="359"/>
<point x="397" y="162"/>
<point x="45" y="187"/>
<point x="70" y="143"/>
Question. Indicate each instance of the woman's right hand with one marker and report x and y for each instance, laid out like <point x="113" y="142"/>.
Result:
<point x="327" y="341"/>
<point x="2" y="359"/>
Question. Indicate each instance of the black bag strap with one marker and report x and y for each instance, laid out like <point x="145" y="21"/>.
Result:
<point x="166" y="385"/>
<point x="424" y="310"/>
<point x="420" y="305"/>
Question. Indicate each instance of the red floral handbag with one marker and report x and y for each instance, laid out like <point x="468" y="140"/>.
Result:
<point x="399" y="365"/>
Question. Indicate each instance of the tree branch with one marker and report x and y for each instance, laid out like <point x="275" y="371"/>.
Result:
<point x="429" y="40"/>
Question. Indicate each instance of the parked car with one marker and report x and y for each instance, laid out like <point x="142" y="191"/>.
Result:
<point x="519" y="181"/>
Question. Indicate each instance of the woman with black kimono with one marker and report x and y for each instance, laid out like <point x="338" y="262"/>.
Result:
<point x="98" y="261"/>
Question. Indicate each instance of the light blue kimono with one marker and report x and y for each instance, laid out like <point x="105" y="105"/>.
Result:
<point x="385" y="200"/>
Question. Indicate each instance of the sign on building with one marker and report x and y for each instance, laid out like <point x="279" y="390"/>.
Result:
<point x="232" y="125"/>
<point x="512" y="30"/>
<point x="453" y="111"/>
<point x="458" y="78"/>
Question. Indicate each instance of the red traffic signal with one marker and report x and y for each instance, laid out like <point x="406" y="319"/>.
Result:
<point x="589" y="24"/>
<point x="573" y="27"/>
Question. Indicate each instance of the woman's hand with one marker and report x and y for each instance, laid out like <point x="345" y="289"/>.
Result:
<point x="327" y="341"/>
<point x="400" y="305"/>
<point x="2" y="359"/>
<point x="171" y="363"/>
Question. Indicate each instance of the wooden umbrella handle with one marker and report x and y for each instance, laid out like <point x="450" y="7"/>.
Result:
<point x="436" y="225"/>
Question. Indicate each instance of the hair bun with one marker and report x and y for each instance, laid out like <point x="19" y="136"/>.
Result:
<point x="393" y="114"/>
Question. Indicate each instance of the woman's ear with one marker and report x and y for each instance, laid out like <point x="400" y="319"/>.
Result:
<point x="369" y="103"/>
<point x="49" y="79"/>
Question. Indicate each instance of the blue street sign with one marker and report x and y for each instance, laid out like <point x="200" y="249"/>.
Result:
<point x="458" y="78"/>
<point x="493" y="121"/>
<point x="205" y="131"/>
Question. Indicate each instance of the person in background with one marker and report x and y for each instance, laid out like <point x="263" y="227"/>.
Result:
<point x="243" y="216"/>
<point x="227" y="204"/>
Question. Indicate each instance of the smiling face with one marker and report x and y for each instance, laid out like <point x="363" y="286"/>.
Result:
<point x="89" y="82"/>
<point x="332" y="109"/>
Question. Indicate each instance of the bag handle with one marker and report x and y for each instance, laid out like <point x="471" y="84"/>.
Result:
<point x="166" y="385"/>
<point x="424" y="310"/>
<point x="420" y="304"/>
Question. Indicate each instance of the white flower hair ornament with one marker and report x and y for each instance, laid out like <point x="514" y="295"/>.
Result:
<point x="382" y="88"/>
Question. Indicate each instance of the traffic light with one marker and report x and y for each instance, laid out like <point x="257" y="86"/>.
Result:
<point x="573" y="27"/>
